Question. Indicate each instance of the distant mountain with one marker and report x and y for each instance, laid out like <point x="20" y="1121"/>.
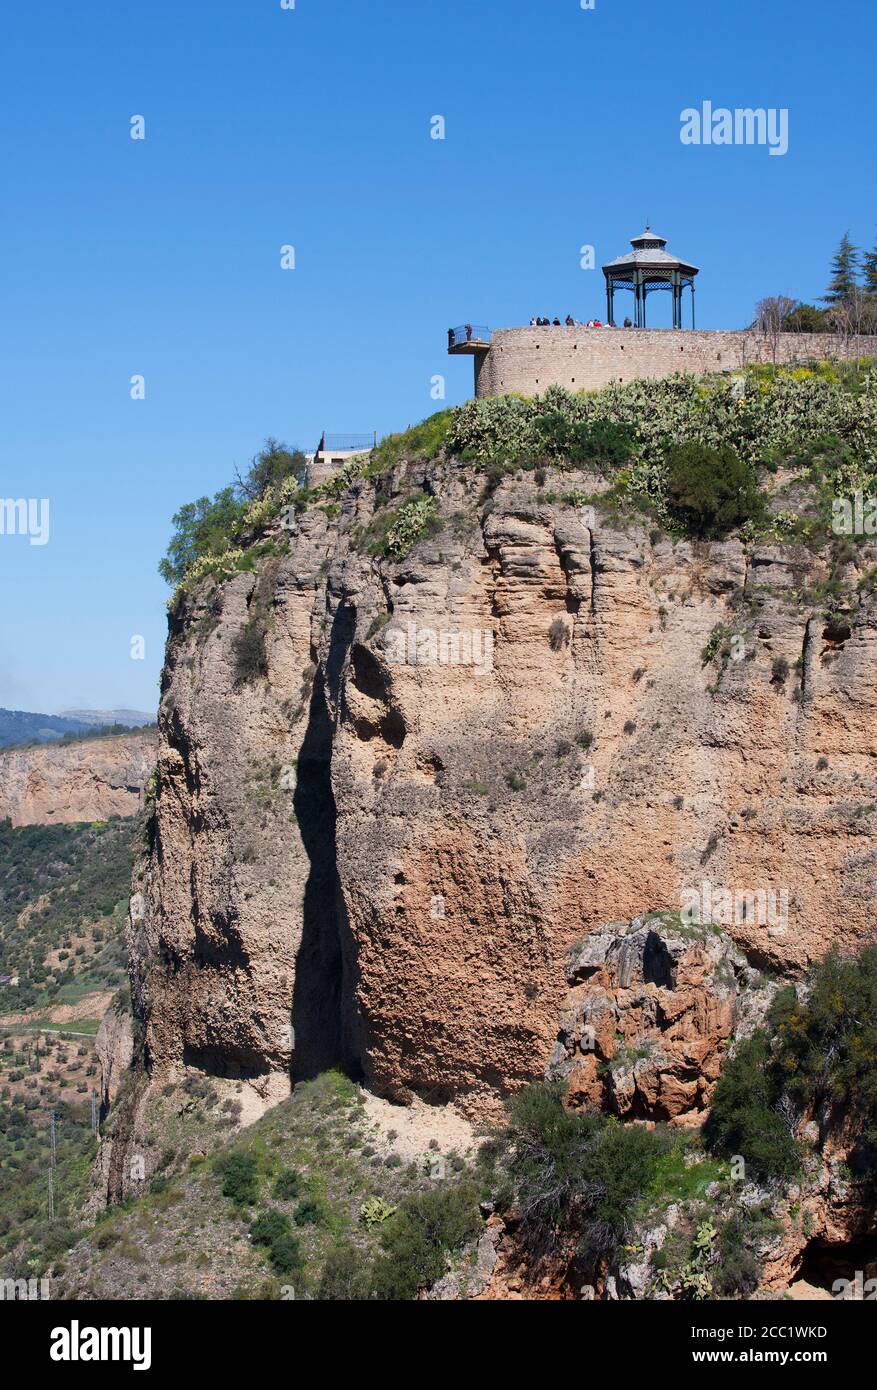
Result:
<point x="19" y="726"/>
<point x="131" y="718"/>
<point x="22" y="726"/>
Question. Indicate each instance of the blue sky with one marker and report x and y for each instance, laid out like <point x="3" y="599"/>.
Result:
<point x="311" y="127"/>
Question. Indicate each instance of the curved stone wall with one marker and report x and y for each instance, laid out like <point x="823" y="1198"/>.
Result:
<point x="528" y="360"/>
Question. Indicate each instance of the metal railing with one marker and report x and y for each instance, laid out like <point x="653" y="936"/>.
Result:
<point x="343" y="443"/>
<point x="468" y="333"/>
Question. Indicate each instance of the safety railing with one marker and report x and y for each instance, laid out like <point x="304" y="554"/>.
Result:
<point x="468" y="334"/>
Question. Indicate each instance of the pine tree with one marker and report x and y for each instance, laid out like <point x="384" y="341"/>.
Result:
<point x="844" y="270"/>
<point x="869" y="263"/>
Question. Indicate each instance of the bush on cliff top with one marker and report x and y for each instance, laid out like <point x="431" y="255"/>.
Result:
<point x="636" y="426"/>
<point x="209" y="529"/>
<point x="710" y="491"/>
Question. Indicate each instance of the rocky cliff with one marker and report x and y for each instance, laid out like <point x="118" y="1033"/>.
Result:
<point x="83" y="781"/>
<point x="375" y="842"/>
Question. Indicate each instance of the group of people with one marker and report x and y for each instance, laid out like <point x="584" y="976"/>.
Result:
<point x="569" y="321"/>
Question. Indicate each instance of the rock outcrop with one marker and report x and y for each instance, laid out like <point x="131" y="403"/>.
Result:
<point x="453" y="767"/>
<point x="114" y="1044"/>
<point x="90" y="780"/>
<point x="652" y="1007"/>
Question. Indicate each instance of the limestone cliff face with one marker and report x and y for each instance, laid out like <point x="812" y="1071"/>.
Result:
<point x="86" y="781"/>
<point x="457" y="766"/>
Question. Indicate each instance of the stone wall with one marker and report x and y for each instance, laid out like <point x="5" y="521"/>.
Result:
<point x="528" y="360"/>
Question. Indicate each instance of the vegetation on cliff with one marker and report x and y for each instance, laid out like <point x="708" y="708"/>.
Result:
<point x="307" y="1202"/>
<point x="689" y="452"/>
<point x="210" y="532"/>
<point x="817" y="1058"/>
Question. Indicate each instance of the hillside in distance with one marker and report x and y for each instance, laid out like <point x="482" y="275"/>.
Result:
<point x="24" y="726"/>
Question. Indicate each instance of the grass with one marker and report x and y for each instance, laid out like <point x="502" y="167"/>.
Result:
<point x="419" y="441"/>
<point x="304" y="1173"/>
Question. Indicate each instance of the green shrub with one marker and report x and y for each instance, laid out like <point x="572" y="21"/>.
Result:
<point x="744" y="1118"/>
<point x="710" y="491"/>
<point x="827" y="1046"/>
<point x="239" y="1179"/>
<point x="249" y="653"/>
<point x="822" y="1054"/>
<point x="576" y="1172"/>
<point x="269" y="1227"/>
<point x="272" y="1231"/>
<point x="416" y="1240"/>
<point x="602" y="444"/>
<point x="309" y="1213"/>
<point x="286" y="1255"/>
<point x="287" y="1184"/>
<point x="346" y="1275"/>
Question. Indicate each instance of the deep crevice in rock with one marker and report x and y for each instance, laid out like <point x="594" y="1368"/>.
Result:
<point x="322" y="1016"/>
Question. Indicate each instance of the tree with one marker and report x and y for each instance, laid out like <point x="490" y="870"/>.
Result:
<point x="200" y="528"/>
<point x="710" y="491"/>
<point x="772" y="313"/>
<point x="844" y="273"/>
<point x="273" y="464"/>
<point x="856" y="314"/>
<point x="771" y="317"/>
<point x="806" y="318"/>
<point x="869" y="265"/>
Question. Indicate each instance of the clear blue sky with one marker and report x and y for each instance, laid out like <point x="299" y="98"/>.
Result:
<point x="312" y="127"/>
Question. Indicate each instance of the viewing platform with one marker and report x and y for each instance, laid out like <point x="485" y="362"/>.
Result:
<point x="333" y="451"/>
<point x="468" y="339"/>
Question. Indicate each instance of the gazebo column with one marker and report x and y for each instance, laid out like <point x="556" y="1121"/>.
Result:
<point x="692" y="304"/>
<point x="610" y="300"/>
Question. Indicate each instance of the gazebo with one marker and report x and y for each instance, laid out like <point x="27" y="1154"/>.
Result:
<point x="646" y="268"/>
